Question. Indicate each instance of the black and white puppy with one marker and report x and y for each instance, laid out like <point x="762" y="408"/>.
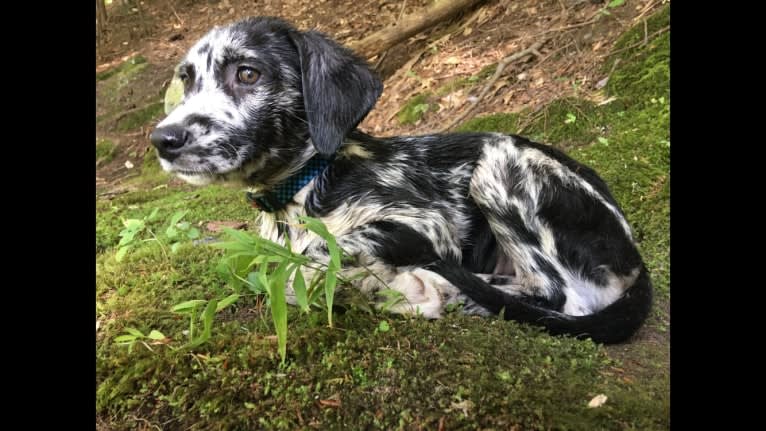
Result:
<point x="492" y="221"/>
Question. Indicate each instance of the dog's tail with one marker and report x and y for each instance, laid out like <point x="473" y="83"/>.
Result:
<point x="613" y="324"/>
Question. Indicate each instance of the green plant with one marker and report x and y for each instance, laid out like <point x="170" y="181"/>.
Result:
<point x="414" y="109"/>
<point x="138" y="230"/>
<point x="134" y="335"/>
<point x="611" y="5"/>
<point x="264" y="267"/>
<point x="178" y="231"/>
<point x="190" y="308"/>
<point x="211" y="307"/>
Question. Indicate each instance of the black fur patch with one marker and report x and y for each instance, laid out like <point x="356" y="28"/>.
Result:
<point x="398" y="244"/>
<point x="203" y="49"/>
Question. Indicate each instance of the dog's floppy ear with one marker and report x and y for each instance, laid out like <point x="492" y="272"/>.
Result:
<point x="339" y="89"/>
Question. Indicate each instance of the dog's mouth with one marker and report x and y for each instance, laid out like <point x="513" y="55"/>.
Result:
<point x="206" y="171"/>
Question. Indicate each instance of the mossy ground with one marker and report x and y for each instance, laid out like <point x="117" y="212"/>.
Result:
<point x="105" y="150"/>
<point x="129" y="64"/>
<point x="459" y="372"/>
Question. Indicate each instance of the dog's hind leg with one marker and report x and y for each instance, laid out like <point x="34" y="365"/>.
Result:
<point x="506" y="192"/>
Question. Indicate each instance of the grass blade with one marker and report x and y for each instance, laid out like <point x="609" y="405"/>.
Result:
<point x="329" y="292"/>
<point x="279" y="307"/>
<point x="177" y="217"/>
<point x="156" y="335"/>
<point x="299" y="286"/>
<point x="127" y="338"/>
<point x="187" y="305"/>
<point x="135" y="332"/>
<point x="207" y="320"/>
<point x="225" y="302"/>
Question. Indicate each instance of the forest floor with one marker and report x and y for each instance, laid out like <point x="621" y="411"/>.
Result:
<point x="599" y="90"/>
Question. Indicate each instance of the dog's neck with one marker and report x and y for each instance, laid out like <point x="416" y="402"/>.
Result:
<point x="282" y="193"/>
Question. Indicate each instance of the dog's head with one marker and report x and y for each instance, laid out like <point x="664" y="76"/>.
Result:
<point x="255" y="91"/>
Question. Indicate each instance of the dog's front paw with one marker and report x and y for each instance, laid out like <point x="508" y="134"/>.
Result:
<point x="424" y="292"/>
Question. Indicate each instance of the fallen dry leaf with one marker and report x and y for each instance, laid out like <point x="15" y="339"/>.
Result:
<point x="508" y="97"/>
<point x="500" y="84"/>
<point x="330" y="403"/>
<point x="597" y="401"/>
<point x="463" y="406"/>
<point x="597" y="45"/>
<point x="217" y="226"/>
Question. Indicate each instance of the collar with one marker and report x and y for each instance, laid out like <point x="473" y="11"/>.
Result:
<point x="277" y="198"/>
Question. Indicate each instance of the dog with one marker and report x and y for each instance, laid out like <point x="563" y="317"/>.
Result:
<point x="496" y="223"/>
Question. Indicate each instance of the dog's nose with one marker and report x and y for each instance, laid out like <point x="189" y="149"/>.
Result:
<point x="169" y="138"/>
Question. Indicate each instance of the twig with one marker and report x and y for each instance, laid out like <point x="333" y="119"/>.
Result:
<point x="532" y="49"/>
<point x="403" y="73"/>
<point x="554" y="52"/>
<point x="530" y="119"/>
<point x="651" y="36"/>
<point x="158" y="242"/>
<point x="646" y="33"/>
<point x="111" y="193"/>
<point x="138" y="419"/>
<point x="577" y="108"/>
<point x="567" y="27"/>
<point x="380" y="60"/>
<point x="646" y="9"/>
<point x="180" y="21"/>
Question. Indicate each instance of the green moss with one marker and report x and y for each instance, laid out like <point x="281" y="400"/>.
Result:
<point x="126" y="66"/>
<point x="151" y="164"/>
<point x="140" y="117"/>
<point x="414" y="109"/>
<point x="567" y="122"/>
<point x="105" y="151"/>
<point x="117" y="85"/>
<point x="643" y="72"/>
<point x="378" y="379"/>
<point x="485" y="72"/>
<point x="501" y="123"/>
<point x="152" y="174"/>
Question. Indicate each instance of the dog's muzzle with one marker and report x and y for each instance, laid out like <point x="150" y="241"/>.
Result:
<point x="169" y="140"/>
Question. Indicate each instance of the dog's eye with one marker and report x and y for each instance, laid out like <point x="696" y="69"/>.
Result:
<point x="247" y="75"/>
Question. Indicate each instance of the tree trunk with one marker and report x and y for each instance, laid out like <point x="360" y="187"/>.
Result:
<point x="100" y="18"/>
<point x="382" y="40"/>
